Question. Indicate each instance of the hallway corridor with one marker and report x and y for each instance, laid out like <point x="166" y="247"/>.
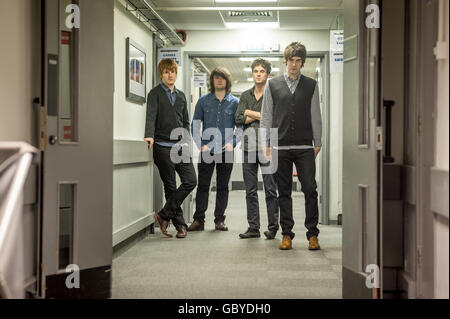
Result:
<point x="213" y="264"/>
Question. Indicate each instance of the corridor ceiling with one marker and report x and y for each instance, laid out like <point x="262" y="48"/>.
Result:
<point x="209" y="15"/>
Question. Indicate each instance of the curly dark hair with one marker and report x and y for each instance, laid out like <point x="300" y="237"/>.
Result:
<point x="264" y="63"/>
<point x="223" y="73"/>
<point x="295" y="49"/>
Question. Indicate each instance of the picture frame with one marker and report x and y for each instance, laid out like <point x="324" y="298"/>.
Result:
<point x="135" y="74"/>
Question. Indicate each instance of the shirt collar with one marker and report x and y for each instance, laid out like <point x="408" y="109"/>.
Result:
<point x="228" y="97"/>
<point x="166" y="88"/>
<point x="287" y="78"/>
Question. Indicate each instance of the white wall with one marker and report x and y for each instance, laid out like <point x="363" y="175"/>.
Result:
<point x="441" y="233"/>
<point x="234" y="40"/>
<point x="442" y="129"/>
<point x="20" y="69"/>
<point x="335" y="145"/>
<point x="133" y="182"/>
<point x="129" y="117"/>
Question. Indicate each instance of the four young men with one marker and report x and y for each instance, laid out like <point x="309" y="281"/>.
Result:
<point x="288" y="104"/>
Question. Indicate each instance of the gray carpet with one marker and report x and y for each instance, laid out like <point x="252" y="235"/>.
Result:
<point x="213" y="264"/>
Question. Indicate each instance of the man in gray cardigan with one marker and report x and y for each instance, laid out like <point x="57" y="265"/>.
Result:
<point x="291" y="105"/>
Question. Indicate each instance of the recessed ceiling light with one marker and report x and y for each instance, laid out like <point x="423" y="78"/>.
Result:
<point x="252" y="25"/>
<point x="243" y="1"/>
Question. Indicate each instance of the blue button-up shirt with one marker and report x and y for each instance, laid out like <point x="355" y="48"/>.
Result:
<point x="216" y="116"/>
<point x="171" y="95"/>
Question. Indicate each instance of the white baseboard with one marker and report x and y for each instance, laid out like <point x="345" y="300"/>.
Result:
<point x="131" y="229"/>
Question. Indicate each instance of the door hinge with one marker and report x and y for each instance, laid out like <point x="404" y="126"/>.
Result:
<point x="379" y="141"/>
<point x="419" y="126"/>
<point x="42" y="129"/>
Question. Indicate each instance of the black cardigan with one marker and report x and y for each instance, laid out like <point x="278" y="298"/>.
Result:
<point x="162" y="117"/>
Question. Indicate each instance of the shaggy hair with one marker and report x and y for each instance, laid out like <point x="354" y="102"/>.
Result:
<point x="223" y="73"/>
<point x="167" y="64"/>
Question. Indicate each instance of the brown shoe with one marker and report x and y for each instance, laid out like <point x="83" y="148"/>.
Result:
<point x="221" y="226"/>
<point x="163" y="224"/>
<point x="196" y="226"/>
<point x="314" y="243"/>
<point x="182" y="232"/>
<point x="286" y="243"/>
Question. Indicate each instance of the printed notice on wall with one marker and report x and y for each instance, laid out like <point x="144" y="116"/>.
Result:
<point x="200" y="80"/>
<point x="170" y="53"/>
<point x="336" y="51"/>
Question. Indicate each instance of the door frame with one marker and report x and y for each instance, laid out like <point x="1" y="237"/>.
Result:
<point x="188" y="56"/>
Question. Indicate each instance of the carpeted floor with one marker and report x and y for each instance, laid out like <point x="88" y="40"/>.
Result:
<point x="213" y="264"/>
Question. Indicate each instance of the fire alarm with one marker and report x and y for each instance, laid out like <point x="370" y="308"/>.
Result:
<point x="182" y="34"/>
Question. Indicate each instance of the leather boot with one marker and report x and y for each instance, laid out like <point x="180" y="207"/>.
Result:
<point x="196" y="226"/>
<point x="314" y="243"/>
<point x="221" y="226"/>
<point x="163" y="224"/>
<point x="286" y="243"/>
<point x="182" y="232"/>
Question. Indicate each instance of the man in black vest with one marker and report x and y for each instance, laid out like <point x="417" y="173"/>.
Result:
<point x="167" y="116"/>
<point x="291" y="105"/>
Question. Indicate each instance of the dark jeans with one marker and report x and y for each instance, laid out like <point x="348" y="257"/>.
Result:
<point x="306" y="168"/>
<point x="205" y="172"/>
<point x="174" y="196"/>
<point x="250" y="169"/>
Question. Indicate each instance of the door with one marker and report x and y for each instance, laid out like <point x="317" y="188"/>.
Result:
<point x="361" y="157"/>
<point x="77" y="148"/>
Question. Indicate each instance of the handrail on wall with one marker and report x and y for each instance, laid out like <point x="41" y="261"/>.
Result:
<point x="15" y="162"/>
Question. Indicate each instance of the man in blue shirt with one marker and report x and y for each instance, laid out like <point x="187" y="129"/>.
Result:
<point x="216" y="112"/>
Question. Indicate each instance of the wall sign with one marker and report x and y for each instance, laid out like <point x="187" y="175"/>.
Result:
<point x="336" y="51"/>
<point x="200" y="80"/>
<point x="170" y="53"/>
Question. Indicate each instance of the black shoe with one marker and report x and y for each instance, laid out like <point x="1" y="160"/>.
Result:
<point x="250" y="233"/>
<point x="270" y="234"/>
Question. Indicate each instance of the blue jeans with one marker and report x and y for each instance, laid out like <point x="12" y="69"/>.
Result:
<point x="205" y="172"/>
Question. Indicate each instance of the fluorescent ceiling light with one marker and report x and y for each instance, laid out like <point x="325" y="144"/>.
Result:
<point x="244" y="1"/>
<point x="251" y="59"/>
<point x="250" y="79"/>
<point x="252" y="25"/>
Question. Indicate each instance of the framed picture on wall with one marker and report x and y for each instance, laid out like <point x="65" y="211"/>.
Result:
<point x="136" y="68"/>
